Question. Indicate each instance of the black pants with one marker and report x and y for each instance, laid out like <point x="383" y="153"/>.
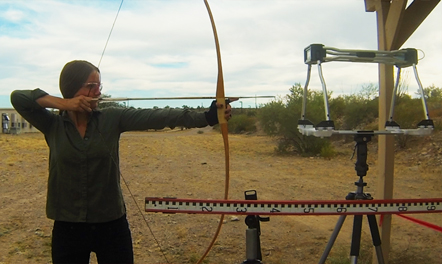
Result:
<point x="74" y="242"/>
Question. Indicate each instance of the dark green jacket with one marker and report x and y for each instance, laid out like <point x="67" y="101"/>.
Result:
<point x="84" y="174"/>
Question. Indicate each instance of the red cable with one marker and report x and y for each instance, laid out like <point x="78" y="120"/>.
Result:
<point x="426" y="224"/>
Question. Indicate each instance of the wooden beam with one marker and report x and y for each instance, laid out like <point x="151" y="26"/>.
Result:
<point x="384" y="186"/>
<point x="393" y="23"/>
<point x="414" y="15"/>
<point x="385" y="182"/>
<point x="372" y="5"/>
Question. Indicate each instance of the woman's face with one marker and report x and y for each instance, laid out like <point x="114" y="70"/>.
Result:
<point x="91" y="88"/>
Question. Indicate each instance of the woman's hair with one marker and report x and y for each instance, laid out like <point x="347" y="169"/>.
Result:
<point x="73" y="75"/>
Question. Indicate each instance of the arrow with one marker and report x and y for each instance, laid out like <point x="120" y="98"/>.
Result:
<point x="232" y="99"/>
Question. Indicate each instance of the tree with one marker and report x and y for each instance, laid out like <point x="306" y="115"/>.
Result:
<point x="431" y="92"/>
<point x="110" y="104"/>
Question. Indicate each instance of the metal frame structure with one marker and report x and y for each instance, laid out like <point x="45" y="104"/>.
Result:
<point x="318" y="54"/>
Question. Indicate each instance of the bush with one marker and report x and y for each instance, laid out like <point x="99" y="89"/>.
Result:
<point x="328" y="151"/>
<point x="359" y="111"/>
<point x="408" y="112"/>
<point x="279" y="119"/>
<point x="242" y="124"/>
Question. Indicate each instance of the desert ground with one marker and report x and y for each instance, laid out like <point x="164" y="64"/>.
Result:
<point x="190" y="164"/>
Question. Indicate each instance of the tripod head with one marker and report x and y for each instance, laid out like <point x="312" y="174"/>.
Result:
<point x="361" y="139"/>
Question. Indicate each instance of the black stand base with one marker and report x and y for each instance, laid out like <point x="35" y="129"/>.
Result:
<point x="255" y="261"/>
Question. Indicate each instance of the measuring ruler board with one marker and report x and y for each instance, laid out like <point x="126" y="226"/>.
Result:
<point x="297" y="207"/>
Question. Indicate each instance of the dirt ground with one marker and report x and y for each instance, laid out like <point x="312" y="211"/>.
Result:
<point x="190" y="164"/>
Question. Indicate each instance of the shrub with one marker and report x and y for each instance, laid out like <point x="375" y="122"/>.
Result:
<point x="242" y="123"/>
<point x="279" y="119"/>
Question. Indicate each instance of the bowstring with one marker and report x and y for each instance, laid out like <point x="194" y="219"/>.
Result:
<point x="110" y="33"/>
<point x="112" y="157"/>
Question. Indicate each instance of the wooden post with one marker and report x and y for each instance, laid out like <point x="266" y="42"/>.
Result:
<point x="384" y="188"/>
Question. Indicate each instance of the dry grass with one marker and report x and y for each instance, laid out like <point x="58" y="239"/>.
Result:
<point x="189" y="164"/>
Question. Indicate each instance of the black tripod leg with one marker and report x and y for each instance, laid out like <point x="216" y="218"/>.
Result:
<point x="356" y="239"/>
<point x="376" y="237"/>
<point x="332" y="239"/>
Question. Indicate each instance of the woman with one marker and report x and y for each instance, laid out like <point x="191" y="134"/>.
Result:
<point x="84" y="196"/>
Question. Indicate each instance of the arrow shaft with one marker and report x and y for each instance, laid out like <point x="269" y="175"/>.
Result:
<point x="233" y="98"/>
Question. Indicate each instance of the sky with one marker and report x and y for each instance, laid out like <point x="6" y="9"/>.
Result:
<point x="164" y="48"/>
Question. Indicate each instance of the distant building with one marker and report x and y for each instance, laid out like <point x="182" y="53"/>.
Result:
<point x="13" y="123"/>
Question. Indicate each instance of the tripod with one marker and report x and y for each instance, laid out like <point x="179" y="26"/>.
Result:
<point x="361" y="167"/>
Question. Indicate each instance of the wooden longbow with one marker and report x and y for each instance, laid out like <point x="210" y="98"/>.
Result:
<point x="220" y="99"/>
